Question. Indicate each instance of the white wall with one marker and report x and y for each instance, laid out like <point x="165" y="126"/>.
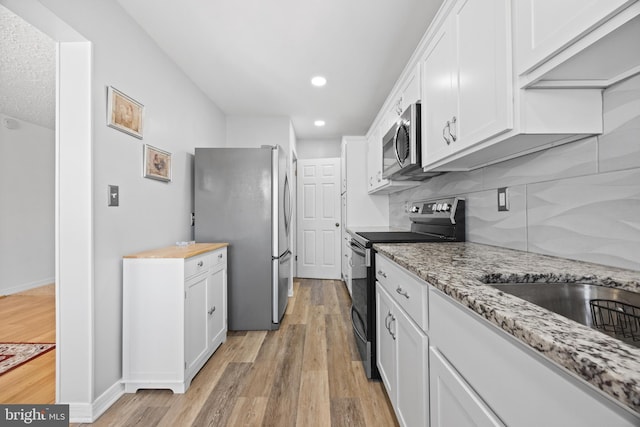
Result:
<point x="319" y="148"/>
<point x="254" y="131"/>
<point x="27" y="167"/>
<point x="178" y="117"/>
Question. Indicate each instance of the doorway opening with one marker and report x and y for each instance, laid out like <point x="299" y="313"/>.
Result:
<point x="73" y="235"/>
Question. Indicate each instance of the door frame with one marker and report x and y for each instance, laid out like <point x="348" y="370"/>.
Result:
<point x="339" y="212"/>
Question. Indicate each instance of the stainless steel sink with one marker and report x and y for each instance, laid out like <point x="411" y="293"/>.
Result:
<point x="586" y="304"/>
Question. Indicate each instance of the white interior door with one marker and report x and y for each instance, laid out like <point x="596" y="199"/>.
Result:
<point x="319" y="223"/>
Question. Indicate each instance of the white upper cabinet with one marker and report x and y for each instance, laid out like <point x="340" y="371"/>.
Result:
<point x="408" y="93"/>
<point x="576" y="42"/>
<point x="374" y="161"/>
<point x="474" y="111"/>
<point x="467" y="86"/>
<point x="439" y="93"/>
<point x="505" y="78"/>
<point x="483" y="71"/>
<point x="410" y="90"/>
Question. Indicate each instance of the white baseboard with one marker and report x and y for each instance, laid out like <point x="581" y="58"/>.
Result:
<point x="80" y="413"/>
<point x="89" y="413"/>
<point x="26" y="286"/>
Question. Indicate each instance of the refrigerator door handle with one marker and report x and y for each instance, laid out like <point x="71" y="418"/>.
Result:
<point x="286" y="200"/>
<point x="282" y="255"/>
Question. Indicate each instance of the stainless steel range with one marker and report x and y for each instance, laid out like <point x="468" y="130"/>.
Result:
<point x="441" y="220"/>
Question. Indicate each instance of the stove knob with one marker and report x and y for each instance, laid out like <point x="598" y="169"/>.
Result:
<point x="446" y="207"/>
<point x="439" y="207"/>
<point x="414" y="209"/>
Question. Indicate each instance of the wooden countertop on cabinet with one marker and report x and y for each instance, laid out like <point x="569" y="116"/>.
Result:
<point x="179" y="251"/>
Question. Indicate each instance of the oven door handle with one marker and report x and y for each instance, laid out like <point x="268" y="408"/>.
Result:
<point x="353" y="322"/>
<point x="357" y="248"/>
<point x="364" y="252"/>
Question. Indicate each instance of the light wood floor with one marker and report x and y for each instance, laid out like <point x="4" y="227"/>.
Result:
<point x="29" y="317"/>
<point x="307" y="373"/>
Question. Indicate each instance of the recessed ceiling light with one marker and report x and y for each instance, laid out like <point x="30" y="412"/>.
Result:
<point x="318" y="81"/>
<point x="319" y="123"/>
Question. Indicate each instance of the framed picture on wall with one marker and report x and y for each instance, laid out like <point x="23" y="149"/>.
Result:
<point x="124" y="113"/>
<point x="157" y="164"/>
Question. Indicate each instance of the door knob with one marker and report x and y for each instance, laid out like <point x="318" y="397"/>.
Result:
<point x="337" y="224"/>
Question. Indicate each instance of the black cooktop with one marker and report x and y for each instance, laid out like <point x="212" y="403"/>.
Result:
<point x="398" y="237"/>
<point x="431" y="221"/>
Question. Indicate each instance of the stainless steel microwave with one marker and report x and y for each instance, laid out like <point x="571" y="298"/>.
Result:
<point x="401" y="156"/>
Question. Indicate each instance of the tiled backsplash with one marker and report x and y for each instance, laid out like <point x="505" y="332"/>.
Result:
<point x="579" y="200"/>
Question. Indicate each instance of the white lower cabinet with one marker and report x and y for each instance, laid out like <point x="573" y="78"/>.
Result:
<point x="453" y="402"/>
<point x="174" y="314"/>
<point x="385" y="342"/>
<point x="443" y="365"/>
<point x="479" y="369"/>
<point x="205" y="317"/>
<point x="217" y="304"/>
<point x="412" y="372"/>
<point x="402" y="350"/>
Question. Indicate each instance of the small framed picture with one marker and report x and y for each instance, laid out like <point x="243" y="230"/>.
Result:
<point x="157" y="164"/>
<point x="124" y="113"/>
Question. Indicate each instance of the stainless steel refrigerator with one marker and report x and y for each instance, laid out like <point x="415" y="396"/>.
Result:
<point x="242" y="196"/>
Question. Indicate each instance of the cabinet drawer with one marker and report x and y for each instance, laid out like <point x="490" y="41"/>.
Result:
<point x="407" y="290"/>
<point x="198" y="264"/>
<point x="219" y="258"/>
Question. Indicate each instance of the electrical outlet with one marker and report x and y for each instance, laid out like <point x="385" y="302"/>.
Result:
<point x="114" y="196"/>
<point x="503" y="199"/>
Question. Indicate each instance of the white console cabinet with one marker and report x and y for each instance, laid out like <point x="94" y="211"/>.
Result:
<point x="174" y="314"/>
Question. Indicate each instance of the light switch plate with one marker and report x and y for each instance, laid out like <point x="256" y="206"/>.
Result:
<point x="114" y="196"/>
<point x="503" y="199"/>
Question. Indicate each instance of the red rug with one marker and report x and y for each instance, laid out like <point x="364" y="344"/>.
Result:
<point x="13" y="355"/>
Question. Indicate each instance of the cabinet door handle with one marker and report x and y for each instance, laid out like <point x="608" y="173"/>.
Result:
<point x="446" y="138"/>
<point x="220" y="256"/>
<point x="382" y="273"/>
<point x="201" y="263"/>
<point x="402" y="292"/>
<point x="212" y="310"/>
<point x="454" y="137"/>
<point x="386" y="322"/>
<point x="393" y="320"/>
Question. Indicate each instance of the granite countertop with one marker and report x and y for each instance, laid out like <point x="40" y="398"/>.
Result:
<point x="461" y="270"/>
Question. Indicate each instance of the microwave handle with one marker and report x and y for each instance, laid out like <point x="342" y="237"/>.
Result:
<point x="395" y="144"/>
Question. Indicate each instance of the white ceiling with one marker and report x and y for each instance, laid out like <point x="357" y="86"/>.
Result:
<point x="27" y="71"/>
<point x="256" y="57"/>
<point x="251" y="57"/>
